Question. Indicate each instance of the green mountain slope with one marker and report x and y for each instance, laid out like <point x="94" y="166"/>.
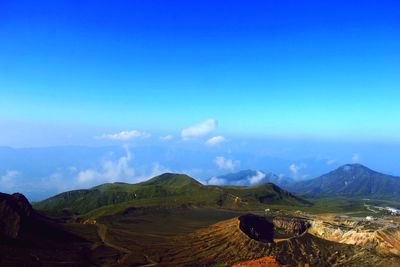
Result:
<point x="267" y="193"/>
<point x="352" y="180"/>
<point x="167" y="190"/>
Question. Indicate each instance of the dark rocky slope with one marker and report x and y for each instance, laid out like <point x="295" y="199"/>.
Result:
<point x="28" y="238"/>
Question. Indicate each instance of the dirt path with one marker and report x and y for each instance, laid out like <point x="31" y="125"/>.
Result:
<point x="102" y="231"/>
<point x="151" y="262"/>
<point x="368" y="207"/>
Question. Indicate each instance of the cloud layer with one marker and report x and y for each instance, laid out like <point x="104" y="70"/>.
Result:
<point x="226" y="164"/>
<point x="296" y="168"/>
<point x="7" y="181"/>
<point x="216" y="181"/>
<point x="256" y="178"/>
<point x="200" y="129"/>
<point x="215" y="140"/>
<point x="248" y="180"/>
<point x="110" y="171"/>
<point x="167" y="137"/>
<point x="125" y="135"/>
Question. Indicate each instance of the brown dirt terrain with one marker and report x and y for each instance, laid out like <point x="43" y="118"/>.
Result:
<point x="225" y="243"/>
<point x="267" y="261"/>
<point x="176" y="237"/>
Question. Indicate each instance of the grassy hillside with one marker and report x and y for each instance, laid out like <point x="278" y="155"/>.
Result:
<point x="165" y="190"/>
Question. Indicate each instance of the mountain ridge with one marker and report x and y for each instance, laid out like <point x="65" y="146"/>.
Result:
<point x="351" y="180"/>
<point x="165" y="189"/>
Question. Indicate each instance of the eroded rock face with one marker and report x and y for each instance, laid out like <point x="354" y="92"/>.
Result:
<point x="384" y="239"/>
<point x="296" y="226"/>
<point x="14" y="210"/>
<point x="257" y="227"/>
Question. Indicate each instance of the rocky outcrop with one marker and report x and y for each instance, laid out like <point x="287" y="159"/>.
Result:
<point x="14" y="211"/>
<point x="28" y="238"/>
<point x="226" y="243"/>
<point x="257" y="227"/>
<point x="85" y="221"/>
<point x="384" y="239"/>
<point x="293" y="225"/>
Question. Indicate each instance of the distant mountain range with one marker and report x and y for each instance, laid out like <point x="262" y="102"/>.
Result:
<point x="168" y="189"/>
<point x="250" y="177"/>
<point x="35" y="168"/>
<point x="351" y="180"/>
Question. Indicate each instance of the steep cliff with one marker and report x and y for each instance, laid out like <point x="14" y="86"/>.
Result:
<point x="292" y="225"/>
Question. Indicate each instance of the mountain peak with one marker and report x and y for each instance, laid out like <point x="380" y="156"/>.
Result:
<point x="354" y="168"/>
<point x="353" y="165"/>
<point x="172" y="179"/>
<point x="352" y="180"/>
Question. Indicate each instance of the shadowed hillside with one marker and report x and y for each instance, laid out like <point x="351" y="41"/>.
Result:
<point x="28" y="238"/>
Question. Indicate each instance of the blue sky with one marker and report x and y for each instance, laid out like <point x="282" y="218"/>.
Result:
<point x="262" y="68"/>
<point x="272" y="74"/>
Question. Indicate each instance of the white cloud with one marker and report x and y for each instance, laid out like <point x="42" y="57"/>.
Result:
<point x="295" y="169"/>
<point x="88" y="175"/>
<point x="216" y="181"/>
<point x="125" y="135"/>
<point x="167" y="137"/>
<point x="200" y="129"/>
<point x="119" y="170"/>
<point x="355" y="157"/>
<point x="330" y="161"/>
<point x="110" y="171"/>
<point x="256" y="178"/>
<point x="7" y="181"/>
<point x="215" y="140"/>
<point x="113" y="167"/>
<point x="226" y="164"/>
